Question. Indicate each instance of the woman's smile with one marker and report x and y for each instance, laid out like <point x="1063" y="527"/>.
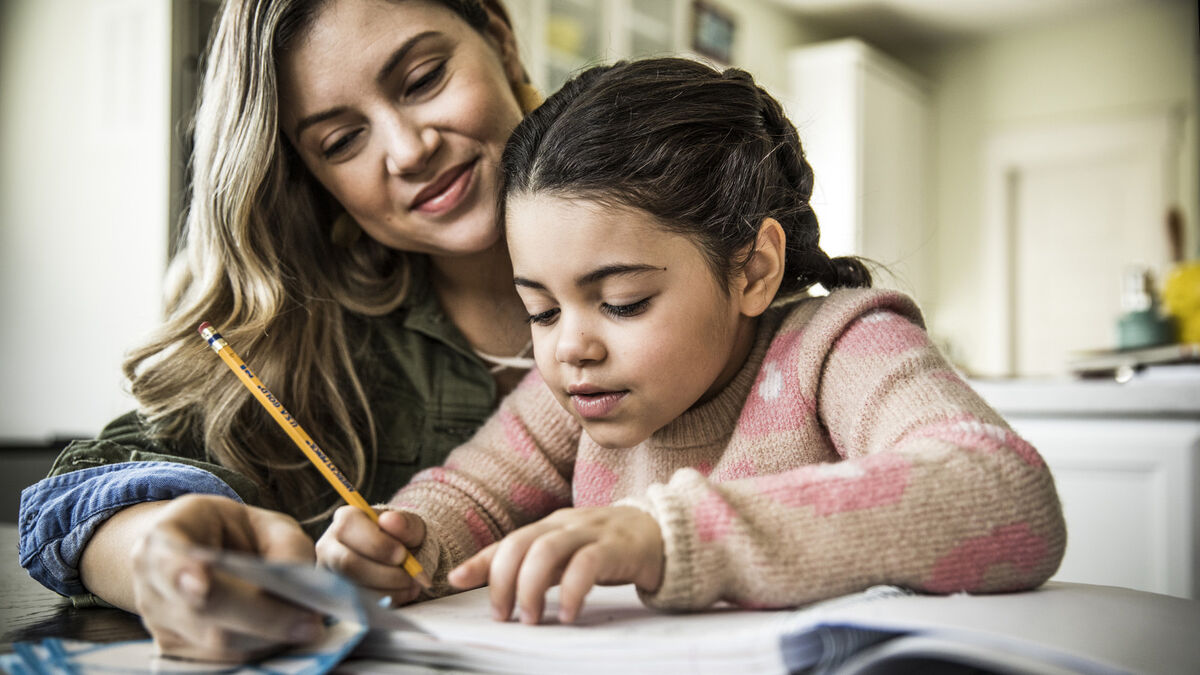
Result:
<point x="447" y="191"/>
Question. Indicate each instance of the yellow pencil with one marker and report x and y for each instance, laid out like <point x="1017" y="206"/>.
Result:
<point x="300" y="437"/>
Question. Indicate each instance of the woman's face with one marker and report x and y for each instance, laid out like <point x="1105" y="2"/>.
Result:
<point x="401" y="110"/>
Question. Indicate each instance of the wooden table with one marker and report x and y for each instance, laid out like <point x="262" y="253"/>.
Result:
<point x="30" y="612"/>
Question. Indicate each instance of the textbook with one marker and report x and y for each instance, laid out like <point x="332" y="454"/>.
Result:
<point x="1057" y="628"/>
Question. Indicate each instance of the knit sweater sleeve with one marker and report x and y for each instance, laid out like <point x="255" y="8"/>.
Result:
<point x="926" y="486"/>
<point x="515" y="470"/>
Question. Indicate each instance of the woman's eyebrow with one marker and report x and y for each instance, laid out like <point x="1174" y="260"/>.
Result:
<point x="394" y="60"/>
<point x="402" y="51"/>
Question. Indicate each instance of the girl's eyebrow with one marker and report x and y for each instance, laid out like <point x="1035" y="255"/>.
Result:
<point x="388" y="66"/>
<point x="595" y="275"/>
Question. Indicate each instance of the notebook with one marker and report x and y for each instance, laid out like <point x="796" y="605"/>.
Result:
<point x="1058" y="628"/>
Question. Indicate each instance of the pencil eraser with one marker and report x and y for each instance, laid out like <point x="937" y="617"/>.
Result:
<point x="203" y="326"/>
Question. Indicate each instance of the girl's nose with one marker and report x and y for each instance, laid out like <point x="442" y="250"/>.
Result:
<point x="577" y="346"/>
<point x="409" y="147"/>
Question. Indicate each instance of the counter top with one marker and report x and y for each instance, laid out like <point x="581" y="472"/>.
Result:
<point x="1160" y="391"/>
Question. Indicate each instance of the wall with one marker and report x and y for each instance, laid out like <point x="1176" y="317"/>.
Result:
<point x="1133" y="58"/>
<point x="84" y="108"/>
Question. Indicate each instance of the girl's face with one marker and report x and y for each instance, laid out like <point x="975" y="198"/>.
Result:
<point x="630" y="325"/>
<point x="401" y="110"/>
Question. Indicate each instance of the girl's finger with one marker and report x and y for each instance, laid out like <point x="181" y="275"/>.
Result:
<point x="542" y="568"/>
<point x="506" y="565"/>
<point x="385" y="576"/>
<point x="352" y="529"/>
<point x="407" y="528"/>
<point x="578" y="578"/>
<point x="473" y="572"/>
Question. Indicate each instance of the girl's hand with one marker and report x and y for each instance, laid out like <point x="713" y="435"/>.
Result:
<point x="577" y="548"/>
<point x="371" y="555"/>
<point x="192" y="611"/>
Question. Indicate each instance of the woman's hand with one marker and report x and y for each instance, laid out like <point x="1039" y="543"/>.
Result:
<point x="577" y="548"/>
<point x="371" y="555"/>
<point x="152" y="558"/>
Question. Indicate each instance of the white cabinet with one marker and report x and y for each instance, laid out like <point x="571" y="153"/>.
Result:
<point x="1126" y="461"/>
<point x="864" y="121"/>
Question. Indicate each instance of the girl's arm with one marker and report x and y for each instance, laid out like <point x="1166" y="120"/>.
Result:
<point x="934" y="491"/>
<point x="515" y="470"/>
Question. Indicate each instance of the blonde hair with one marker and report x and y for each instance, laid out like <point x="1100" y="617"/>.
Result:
<point x="258" y="263"/>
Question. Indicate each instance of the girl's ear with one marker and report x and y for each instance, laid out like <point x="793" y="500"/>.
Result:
<point x="764" y="270"/>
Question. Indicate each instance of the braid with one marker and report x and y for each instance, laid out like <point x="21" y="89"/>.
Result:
<point x="806" y="262"/>
<point x="708" y="153"/>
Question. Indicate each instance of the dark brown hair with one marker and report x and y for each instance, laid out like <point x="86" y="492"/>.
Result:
<point x="709" y="154"/>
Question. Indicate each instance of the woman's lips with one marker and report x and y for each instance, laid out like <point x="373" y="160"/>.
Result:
<point x="597" y="404"/>
<point x="447" y="192"/>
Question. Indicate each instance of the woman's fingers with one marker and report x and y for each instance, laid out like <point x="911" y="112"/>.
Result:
<point x="225" y="619"/>
<point x="279" y="537"/>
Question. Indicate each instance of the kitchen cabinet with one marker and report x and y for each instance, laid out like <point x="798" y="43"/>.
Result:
<point x="1126" y="461"/>
<point x="864" y="121"/>
<point x="565" y="37"/>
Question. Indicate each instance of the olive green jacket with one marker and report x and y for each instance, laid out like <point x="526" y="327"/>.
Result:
<point x="429" y="393"/>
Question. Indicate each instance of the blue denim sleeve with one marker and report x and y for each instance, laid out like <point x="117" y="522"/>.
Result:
<point x="58" y="515"/>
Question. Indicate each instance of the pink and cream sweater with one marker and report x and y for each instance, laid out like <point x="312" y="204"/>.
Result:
<point x="845" y="453"/>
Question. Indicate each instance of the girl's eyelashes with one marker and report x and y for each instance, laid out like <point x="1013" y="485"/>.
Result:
<point x="626" y="311"/>
<point x="543" y="318"/>
<point x="616" y="311"/>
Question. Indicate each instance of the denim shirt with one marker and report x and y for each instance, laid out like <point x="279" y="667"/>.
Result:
<point x="429" y="393"/>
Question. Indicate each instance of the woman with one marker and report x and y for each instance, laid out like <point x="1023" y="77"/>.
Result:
<point x="342" y="234"/>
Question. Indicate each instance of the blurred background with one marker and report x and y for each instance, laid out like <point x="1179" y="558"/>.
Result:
<point x="1018" y="166"/>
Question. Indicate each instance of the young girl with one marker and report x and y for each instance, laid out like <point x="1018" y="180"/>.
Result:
<point x="719" y="433"/>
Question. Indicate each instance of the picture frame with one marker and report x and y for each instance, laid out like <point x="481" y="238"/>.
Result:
<point x="712" y="32"/>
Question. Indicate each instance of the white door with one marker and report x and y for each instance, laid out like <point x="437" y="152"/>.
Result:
<point x="1067" y="209"/>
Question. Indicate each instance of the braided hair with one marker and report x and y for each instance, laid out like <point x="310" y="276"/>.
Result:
<point x="708" y="154"/>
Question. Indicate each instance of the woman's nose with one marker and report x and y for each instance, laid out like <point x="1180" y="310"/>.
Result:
<point x="578" y="346"/>
<point x="409" y="146"/>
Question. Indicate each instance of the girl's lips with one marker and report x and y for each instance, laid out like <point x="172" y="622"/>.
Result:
<point x="597" y="404"/>
<point x="447" y="192"/>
